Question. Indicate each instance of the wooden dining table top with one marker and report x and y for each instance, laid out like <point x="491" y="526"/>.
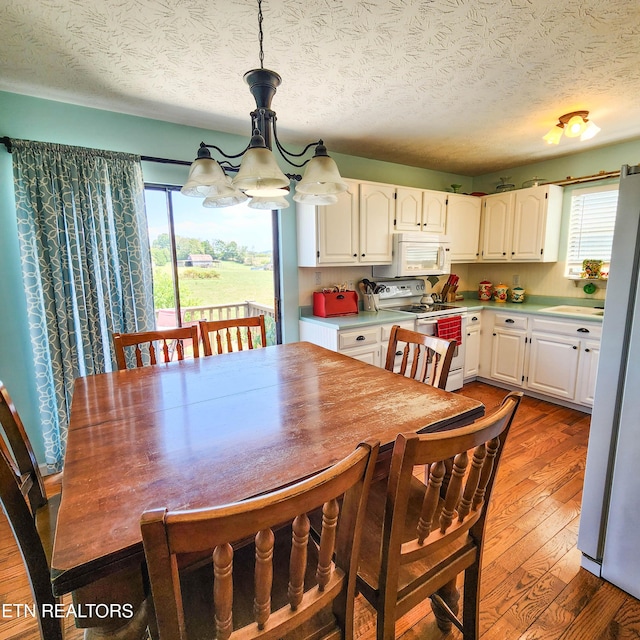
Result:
<point x="215" y="430"/>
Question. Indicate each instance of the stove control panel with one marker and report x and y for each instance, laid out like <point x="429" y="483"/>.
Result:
<point x="399" y="289"/>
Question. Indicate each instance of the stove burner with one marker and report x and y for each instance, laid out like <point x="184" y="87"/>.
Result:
<point x="425" y="308"/>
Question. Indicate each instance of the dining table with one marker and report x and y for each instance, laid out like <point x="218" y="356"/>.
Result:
<point x="210" y="431"/>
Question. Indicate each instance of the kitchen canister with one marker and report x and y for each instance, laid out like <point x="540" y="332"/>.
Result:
<point x="517" y="294"/>
<point x="500" y="292"/>
<point x="484" y="290"/>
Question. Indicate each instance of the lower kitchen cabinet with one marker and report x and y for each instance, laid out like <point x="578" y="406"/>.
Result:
<point x="507" y="348"/>
<point x="564" y="359"/>
<point x="472" y="348"/>
<point x="553" y="357"/>
<point x="368" y="344"/>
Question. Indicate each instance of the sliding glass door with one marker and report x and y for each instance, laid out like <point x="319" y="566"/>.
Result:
<point x="211" y="263"/>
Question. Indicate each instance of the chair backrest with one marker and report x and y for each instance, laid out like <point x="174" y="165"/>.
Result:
<point x="151" y="347"/>
<point x="19" y="453"/>
<point x="424" y="358"/>
<point x="224" y="336"/>
<point x="22" y="522"/>
<point x="168" y="535"/>
<point x="460" y="473"/>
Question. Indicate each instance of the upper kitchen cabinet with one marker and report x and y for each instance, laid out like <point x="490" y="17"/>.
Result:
<point x="420" y="210"/>
<point x="377" y="211"/>
<point x="356" y="230"/>
<point x="522" y="225"/>
<point x="463" y="226"/>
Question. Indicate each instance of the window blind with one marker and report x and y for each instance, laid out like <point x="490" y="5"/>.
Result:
<point x="592" y="220"/>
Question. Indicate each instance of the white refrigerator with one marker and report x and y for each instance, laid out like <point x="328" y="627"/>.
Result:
<point x="609" y="536"/>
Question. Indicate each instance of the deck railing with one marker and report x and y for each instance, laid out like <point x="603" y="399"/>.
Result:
<point x="228" y="311"/>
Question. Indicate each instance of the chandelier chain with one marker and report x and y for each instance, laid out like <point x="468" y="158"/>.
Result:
<point x="260" y="33"/>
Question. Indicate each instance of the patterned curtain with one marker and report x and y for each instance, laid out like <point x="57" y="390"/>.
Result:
<point x="86" y="266"/>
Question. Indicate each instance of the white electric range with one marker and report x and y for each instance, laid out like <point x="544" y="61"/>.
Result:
<point x="406" y="295"/>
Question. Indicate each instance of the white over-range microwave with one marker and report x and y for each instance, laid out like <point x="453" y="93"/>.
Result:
<point x="417" y="254"/>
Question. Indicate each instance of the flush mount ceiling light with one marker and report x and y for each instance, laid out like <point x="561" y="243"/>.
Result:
<point x="572" y="124"/>
<point x="258" y="174"/>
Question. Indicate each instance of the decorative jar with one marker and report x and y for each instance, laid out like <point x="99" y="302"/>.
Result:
<point x="500" y="292"/>
<point x="517" y="294"/>
<point x="484" y="290"/>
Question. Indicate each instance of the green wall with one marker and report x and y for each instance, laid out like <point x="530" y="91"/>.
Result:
<point x="48" y="121"/>
<point x="44" y="120"/>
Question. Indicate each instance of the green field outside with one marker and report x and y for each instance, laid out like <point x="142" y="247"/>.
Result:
<point x="235" y="283"/>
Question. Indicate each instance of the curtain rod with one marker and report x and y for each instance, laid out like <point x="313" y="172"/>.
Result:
<point x="601" y="175"/>
<point x="6" y="141"/>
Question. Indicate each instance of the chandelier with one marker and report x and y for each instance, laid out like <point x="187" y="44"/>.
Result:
<point x="258" y="176"/>
<point x="572" y="124"/>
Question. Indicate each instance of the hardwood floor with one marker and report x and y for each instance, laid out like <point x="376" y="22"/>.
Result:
<point x="532" y="584"/>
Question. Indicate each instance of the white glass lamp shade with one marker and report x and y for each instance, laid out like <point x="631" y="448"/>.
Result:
<point x="321" y="177"/>
<point x="206" y="177"/>
<point x="305" y="198"/>
<point x="220" y="201"/>
<point x="591" y="130"/>
<point x="258" y="202"/>
<point x="575" y="126"/>
<point x="554" y="135"/>
<point x="260" y="174"/>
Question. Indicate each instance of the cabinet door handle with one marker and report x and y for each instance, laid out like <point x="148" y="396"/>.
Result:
<point x="398" y="353"/>
<point x="582" y="330"/>
<point x="360" y="338"/>
<point x="510" y="320"/>
<point x="574" y="347"/>
<point x="474" y="318"/>
<point x="587" y="350"/>
<point x="363" y="255"/>
<point x="494" y="334"/>
<point x="355" y="255"/>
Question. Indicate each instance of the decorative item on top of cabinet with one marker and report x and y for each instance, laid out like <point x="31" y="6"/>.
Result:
<point x="463" y="226"/>
<point x="356" y="230"/>
<point x="521" y="225"/>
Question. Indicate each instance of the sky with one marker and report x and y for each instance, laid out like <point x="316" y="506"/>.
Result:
<point x="248" y="227"/>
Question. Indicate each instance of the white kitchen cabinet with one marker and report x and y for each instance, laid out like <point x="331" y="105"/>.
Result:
<point x="509" y="335"/>
<point x="553" y="365"/>
<point x="420" y="210"/>
<point x="497" y="227"/>
<point x="463" y="226"/>
<point x="564" y="359"/>
<point x="368" y="343"/>
<point x="356" y="230"/>
<point x="377" y="211"/>
<point x="588" y="371"/>
<point x="472" y="347"/>
<point x="522" y="225"/>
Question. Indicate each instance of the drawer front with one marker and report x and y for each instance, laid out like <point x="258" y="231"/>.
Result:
<point x="508" y="321"/>
<point x="386" y="329"/>
<point x="575" y="329"/>
<point x="473" y="319"/>
<point x="365" y="336"/>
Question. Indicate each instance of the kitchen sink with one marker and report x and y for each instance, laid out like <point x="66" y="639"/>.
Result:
<point x="575" y="310"/>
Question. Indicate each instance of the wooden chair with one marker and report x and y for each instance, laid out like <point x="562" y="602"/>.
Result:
<point x="31" y="515"/>
<point x="297" y="588"/>
<point x="155" y="344"/>
<point x="418" y="537"/>
<point x="225" y="340"/>
<point x="20" y="454"/>
<point x="429" y="360"/>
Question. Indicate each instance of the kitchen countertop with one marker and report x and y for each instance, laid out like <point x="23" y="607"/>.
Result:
<point x="363" y="319"/>
<point x="533" y="304"/>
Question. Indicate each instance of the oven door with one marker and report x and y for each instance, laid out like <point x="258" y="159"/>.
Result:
<point x="429" y="326"/>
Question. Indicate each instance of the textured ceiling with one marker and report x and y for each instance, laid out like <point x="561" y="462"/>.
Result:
<point x="466" y="86"/>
